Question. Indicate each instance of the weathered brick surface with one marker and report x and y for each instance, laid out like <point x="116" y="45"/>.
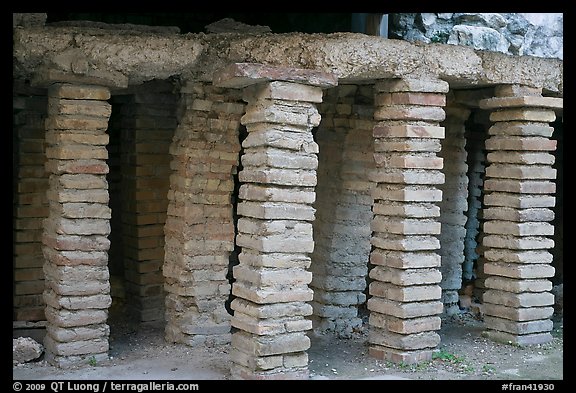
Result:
<point x="403" y="292"/>
<point x="239" y="75"/>
<point x="400" y="356"/>
<point x="519" y="299"/>
<point x="523" y="339"/>
<point x="518" y="229"/>
<point x="542" y="116"/>
<point x="519" y="314"/>
<point x="522" y="187"/>
<point x="517" y="285"/>
<point x="518" y="328"/>
<point x="517" y="256"/>
<point x="516" y="270"/>
<point x="404" y="326"/>
<point x="521" y="129"/>
<point x="519" y="201"/>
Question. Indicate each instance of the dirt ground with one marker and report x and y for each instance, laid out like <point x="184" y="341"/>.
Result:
<point x="139" y="352"/>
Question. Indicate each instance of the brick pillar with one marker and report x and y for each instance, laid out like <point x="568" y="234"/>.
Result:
<point x="148" y="124"/>
<point x="519" y="197"/>
<point x="453" y="206"/>
<point x="77" y="293"/>
<point x="275" y="215"/>
<point x="405" y="301"/>
<point x="199" y="227"/>
<point x="343" y="209"/>
<point x="30" y="202"/>
<point x="476" y="159"/>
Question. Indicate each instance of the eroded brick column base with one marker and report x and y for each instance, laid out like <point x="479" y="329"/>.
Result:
<point x="77" y="293"/>
<point x="274" y="226"/>
<point x="405" y="301"/>
<point x="343" y="209"/>
<point x="200" y="224"/>
<point x="519" y="196"/>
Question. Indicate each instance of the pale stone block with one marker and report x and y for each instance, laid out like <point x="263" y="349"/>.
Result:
<point x="519" y="201"/>
<point x="517" y="285"/>
<point x="518" y="243"/>
<point x="254" y="192"/>
<point x="518" y="314"/>
<point x="406" y="277"/>
<point x="383" y="129"/>
<point x="405" y="226"/>
<point x="277" y="260"/>
<point x="270" y="345"/>
<point x="521" y="129"/>
<point x="405" y="310"/>
<point x="404" y="260"/>
<point x="404" y="243"/>
<point x="388" y="290"/>
<point x="527" y="158"/>
<point x="404" y="341"/>
<point x="420" y="210"/>
<point x="516" y="256"/>
<point x="518" y="229"/>
<point x="515" y="270"/>
<point x="270" y="295"/>
<point x="527" y="299"/>
<point x="521" y="171"/>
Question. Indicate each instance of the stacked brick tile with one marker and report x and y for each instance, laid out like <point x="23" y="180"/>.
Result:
<point x="200" y="224"/>
<point x="405" y="292"/>
<point x="519" y="197"/>
<point x="453" y="206"/>
<point x="77" y="293"/>
<point x="343" y="209"/>
<point x="271" y="309"/>
<point x="476" y="160"/>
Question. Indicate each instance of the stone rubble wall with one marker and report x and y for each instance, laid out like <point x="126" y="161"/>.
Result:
<point x="523" y="34"/>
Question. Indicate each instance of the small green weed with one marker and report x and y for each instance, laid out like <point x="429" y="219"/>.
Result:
<point x="92" y="361"/>
<point x="488" y="369"/>
<point x="446" y="356"/>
